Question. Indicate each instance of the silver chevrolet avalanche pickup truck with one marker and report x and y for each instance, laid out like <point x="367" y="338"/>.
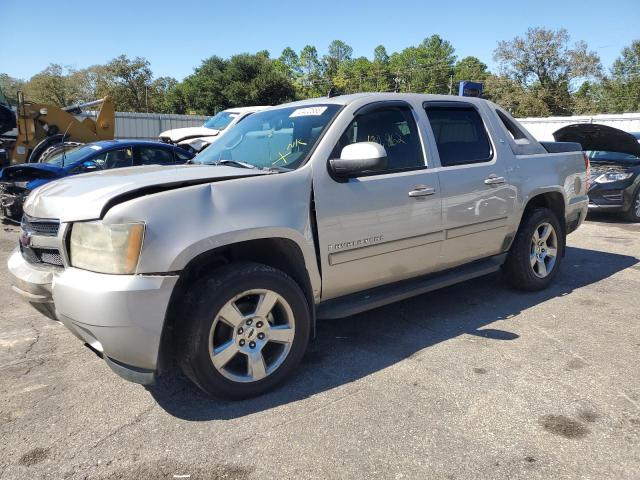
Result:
<point x="316" y="209"/>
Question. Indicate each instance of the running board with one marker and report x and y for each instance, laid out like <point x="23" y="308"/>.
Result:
<point x="377" y="297"/>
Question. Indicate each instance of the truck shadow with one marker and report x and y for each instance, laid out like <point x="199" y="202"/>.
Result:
<point x="347" y="349"/>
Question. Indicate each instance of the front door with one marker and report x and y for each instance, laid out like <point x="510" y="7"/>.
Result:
<point x="477" y="198"/>
<point x="384" y="226"/>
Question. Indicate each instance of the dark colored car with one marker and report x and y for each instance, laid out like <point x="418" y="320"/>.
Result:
<point x="17" y="181"/>
<point x="615" y="166"/>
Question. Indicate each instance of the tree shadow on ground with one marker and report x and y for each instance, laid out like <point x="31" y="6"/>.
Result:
<point x="347" y="349"/>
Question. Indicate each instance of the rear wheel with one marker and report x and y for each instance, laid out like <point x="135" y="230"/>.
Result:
<point x="247" y="329"/>
<point x="536" y="253"/>
<point x="633" y="214"/>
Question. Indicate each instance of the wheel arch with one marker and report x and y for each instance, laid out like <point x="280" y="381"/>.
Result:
<point x="551" y="199"/>
<point x="278" y="252"/>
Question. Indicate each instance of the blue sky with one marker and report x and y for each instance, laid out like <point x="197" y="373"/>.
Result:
<point x="176" y="35"/>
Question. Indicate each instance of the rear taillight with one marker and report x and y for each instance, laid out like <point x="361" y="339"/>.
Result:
<point x="587" y="166"/>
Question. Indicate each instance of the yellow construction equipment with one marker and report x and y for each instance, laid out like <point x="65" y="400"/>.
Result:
<point x="43" y="127"/>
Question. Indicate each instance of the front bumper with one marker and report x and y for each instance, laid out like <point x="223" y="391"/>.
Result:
<point x="120" y="317"/>
<point x="614" y="196"/>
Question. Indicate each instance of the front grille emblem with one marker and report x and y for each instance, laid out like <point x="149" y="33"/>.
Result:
<point x="25" y="239"/>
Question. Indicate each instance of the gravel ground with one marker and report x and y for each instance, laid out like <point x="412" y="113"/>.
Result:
<point x="474" y="381"/>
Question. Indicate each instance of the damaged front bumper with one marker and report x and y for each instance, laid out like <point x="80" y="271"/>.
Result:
<point x="120" y="317"/>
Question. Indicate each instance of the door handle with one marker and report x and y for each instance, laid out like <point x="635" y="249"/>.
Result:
<point x="493" y="179"/>
<point x="422" y="191"/>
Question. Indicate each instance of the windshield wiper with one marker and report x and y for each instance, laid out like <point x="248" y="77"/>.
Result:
<point x="235" y="163"/>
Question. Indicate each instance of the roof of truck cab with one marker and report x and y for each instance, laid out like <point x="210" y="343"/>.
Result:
<point x="376" y="97"/>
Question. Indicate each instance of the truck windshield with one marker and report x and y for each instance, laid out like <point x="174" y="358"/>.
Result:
<point x="220" y="121"/>
<point x="280" y="137"/>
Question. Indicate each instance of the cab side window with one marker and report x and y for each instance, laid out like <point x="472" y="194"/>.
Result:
<point x="392" y="127"/>
<point x="155" y="156"/>
<point x="460" y="135"/>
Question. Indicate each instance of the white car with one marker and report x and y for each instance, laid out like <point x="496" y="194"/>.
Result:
<point x="196" y="139"/>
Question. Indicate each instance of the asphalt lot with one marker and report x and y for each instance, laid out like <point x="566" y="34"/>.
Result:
<point x="474" y="381"/>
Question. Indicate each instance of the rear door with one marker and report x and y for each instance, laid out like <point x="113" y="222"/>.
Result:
<point x="384" y="226"/>
<point x="477" y="198"/>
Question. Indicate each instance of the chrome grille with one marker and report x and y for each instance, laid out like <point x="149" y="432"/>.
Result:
<point x="47" y="228"/>
<point x="36" y="242"/>
<point x="51" y="257"/>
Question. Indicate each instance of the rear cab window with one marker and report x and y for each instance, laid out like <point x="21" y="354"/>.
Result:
<point x="460" y="134"/>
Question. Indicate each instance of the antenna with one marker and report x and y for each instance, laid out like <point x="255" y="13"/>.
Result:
<point x="64" y="152"/>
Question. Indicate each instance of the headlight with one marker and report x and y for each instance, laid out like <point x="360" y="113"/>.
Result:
<point x="106" y="248"/>
<point x="613" y="177"/>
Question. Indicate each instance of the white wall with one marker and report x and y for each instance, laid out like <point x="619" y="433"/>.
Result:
<point x="542" y="128"/>
<point x="148" y="126"/>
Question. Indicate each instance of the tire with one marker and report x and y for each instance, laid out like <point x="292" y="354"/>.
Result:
<point x="57" y="148"/>
<point x="633" y="214"/>
<point x="530" y="265"/>
<point x="261" y="349"/>
<point x="39" y="149"/>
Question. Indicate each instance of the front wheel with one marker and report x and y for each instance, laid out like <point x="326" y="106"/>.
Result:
<point x="247" y="329"/>
<point x="633" y="214"/>
<point x="536" y="253"/>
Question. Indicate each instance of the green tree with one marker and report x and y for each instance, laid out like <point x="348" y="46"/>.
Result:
<point x="55" y="85"/>
<point x="312" y="83"/>
<point x="546" y="66"/>
<point x="10" y="86"/>
<point x="426" y="68"/>
<point x="127" y="81"/>
<point x="339" y="53"/>
<point x="621" y="91"/>
<point x="514" y="97"/>
<point x="380" y="55"/>
<point x="158" y="94"/>
<point x="202" y="91"/>
<point x="291" y="63"/>
<point x="255" y="80"/>
<point x="242" y="80"/>
<point x="469" y="68"/>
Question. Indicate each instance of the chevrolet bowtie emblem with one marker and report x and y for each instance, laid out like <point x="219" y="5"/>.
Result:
<point x="25" y="239"/>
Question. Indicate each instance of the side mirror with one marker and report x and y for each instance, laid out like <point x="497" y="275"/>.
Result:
<point x="89" y="166"/>
<point x="358" y="158"/>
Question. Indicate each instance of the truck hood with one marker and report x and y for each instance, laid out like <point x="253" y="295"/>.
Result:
<point x="596" y="137"/>
<point x="179" y="134"/>
<point x="88" y="196"/>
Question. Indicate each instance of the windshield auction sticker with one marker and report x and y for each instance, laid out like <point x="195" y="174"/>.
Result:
<point x="307" y="112"/>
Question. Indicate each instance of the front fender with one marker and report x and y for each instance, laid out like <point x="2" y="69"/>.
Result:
<point x="186" y="222"/>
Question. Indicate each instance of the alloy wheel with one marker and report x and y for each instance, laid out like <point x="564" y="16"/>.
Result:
<point x="251" y="335"/>
<point x="544" y="250"/>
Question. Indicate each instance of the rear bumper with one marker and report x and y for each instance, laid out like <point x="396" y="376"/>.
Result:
<point x="120" y="317"/>
<point x="576" y="213"/>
